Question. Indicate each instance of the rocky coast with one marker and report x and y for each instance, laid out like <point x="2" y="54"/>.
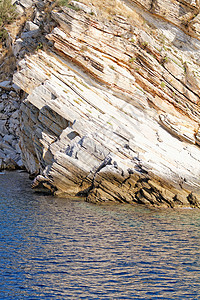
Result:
<point x="104" y="102"/>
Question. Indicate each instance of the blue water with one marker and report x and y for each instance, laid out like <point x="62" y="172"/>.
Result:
<point x="53" y="248"/>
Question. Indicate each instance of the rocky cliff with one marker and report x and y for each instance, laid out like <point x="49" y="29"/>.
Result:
<point x="110" y="103"/>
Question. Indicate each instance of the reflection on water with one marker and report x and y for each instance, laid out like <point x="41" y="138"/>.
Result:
<point x="54" y="248"/>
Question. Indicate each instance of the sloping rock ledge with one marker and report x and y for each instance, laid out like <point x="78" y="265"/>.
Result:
<point x="94" y="125"/>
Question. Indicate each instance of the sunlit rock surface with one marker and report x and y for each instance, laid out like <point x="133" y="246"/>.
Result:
<point x="112" y="111"/>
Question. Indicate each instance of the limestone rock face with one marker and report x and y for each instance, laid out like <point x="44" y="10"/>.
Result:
<point x="184" y="14"/>
<point x="112" y="111"/>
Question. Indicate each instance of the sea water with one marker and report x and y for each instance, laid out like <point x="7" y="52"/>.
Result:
<point x="55" y="248"/>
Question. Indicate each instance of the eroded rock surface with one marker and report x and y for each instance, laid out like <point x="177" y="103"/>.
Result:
<point x="10" y="152"/>
<point x="112" y="111"/>
<point x="184" y="14"/>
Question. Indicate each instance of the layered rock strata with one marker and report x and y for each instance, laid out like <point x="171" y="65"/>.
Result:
<point x="128" y="132"/>
<point x="22" y="37"/>
<point x="112" y="111"/>
<point x="183" y="13"/>
<point x="10" y="152"/>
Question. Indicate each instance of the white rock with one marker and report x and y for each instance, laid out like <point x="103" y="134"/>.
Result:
<point x="19" y="9"/>
<point x="84" y="7"/>
<point x="31" y="26"/>
<point x="5" y="84"/>
<point x="26" y="3"/>
<point x="17" y="46"/>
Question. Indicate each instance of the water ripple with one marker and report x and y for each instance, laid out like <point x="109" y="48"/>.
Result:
<point x="54" y="248"/>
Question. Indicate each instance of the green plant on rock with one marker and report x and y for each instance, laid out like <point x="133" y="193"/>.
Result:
<point x="83" y="48"/>
<point x="162" y="39"/>
<point x="39" y="46"/>
<point x="62" y="2"/>
<point x="132" y="59"/>
<point x="162" y="84"/>
<point x="67" y="4"/>
<point x="145" y="44"/>
<point x="3" y="34"/>
<point x="7" y="15"/>
<point x="7" y="12"/>
<point x="165" y="59"/>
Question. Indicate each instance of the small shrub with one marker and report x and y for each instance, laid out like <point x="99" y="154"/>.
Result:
<point x="7" y="15"/>
<point x="7" y="12"/>
<point x="3" y="34"/>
